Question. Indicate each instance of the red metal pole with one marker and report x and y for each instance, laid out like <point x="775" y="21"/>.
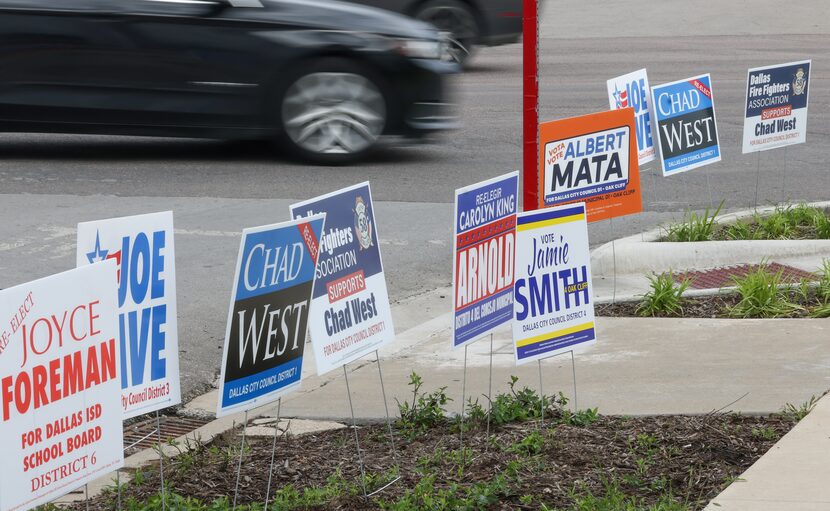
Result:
<point x="530" y="174"/>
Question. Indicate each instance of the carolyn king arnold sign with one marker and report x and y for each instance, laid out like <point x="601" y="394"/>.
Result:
<point x="485" y="246"/>
<point x="60" y="420"/>
<point x="554" y="310"/>
<point x="350" y="312"/>
<point x="265" y="339"/>
<point x="143" y="250"/>
<point x="776" y="106"/>
<point x="631" y="90"/>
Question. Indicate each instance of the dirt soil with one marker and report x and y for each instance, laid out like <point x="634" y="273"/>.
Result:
<point x="693" y="457"/>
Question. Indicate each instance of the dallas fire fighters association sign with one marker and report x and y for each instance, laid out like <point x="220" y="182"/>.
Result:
<point x="485" y="247"/>
<point x="554" y="310"/>
<point x="684" y="120"/>
<point x="142" y="247"/>
<point x="268" y="317"/>
<point x="632" y="91"/>
<point x="591" y="159"/>
<point x="60" y="418"/>
<point x="350" y="312"/>
<point x="776" y="106"/>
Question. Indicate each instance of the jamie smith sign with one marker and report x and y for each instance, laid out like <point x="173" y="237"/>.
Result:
<point x="485" y="248"/>
<point x="554" y="310"/>
<point x="60" y="419"/>
<point x="776" y="106"/>
<point x="684" y="116"/>
<point x="263" y="355"/>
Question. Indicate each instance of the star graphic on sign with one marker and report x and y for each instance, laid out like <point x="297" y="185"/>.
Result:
<point x="617" y="96"/>
<point x="97" y="255"/>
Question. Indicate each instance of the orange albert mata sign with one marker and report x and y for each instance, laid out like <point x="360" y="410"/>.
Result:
<point x="591" y="159"/>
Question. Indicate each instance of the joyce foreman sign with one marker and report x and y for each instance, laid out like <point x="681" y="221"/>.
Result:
<point x="554" y="310"/>
<point x="265" y="339"/>
<point x="350" y="313"/>
<point x="684" y="118"/>
<point x="61" y="419"/>
<point x="591" y="159"/>
<point x="632" y="90"/>
<point x="485" y="247"/>
<point x="142" y="248"/>
<point x="776" y="106"/>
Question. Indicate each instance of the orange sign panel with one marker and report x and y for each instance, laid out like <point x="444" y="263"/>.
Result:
<point x="591" y="159"/>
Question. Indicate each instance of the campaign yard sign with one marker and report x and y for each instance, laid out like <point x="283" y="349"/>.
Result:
<point x="591" y="159"/>
<point x="554" y="310"/>
<point x="59" y="382"/>
<point x="684" y="118"/>
<point x="143" y="250"/>
<point x="776" y="106"/>
<point x="265" y="339"/>
<point x="485" y="246"/>
<point x="631" y="90"/>
<point x="350" y="312"/>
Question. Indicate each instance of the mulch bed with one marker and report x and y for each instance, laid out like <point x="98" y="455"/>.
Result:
<point x="713" y="306"/>
<point x="692" y="457"/>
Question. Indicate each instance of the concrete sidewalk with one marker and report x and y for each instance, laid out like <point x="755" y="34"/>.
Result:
<point x="638" y="366"/>
<point x="794" y="475"/>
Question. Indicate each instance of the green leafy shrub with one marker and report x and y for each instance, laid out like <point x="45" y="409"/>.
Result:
<point x="425" y="411"/>
<point x="694" y="227"/>
<point x="665" y="298"/>
<point x="530" y="445"/>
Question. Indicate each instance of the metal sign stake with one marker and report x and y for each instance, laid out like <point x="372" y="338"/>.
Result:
<point x="273" y="452"/>
<point x="356" y="439"/>
<point x="239" y="466"/>
<point x="386" y="407"/>
<point x="161" y="461"/>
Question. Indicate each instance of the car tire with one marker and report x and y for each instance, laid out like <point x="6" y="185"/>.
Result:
<point x="332" y="112"/>
<point x="456" y="18"/>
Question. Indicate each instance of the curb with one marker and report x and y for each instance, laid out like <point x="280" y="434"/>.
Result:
<point x="643" y="253"/>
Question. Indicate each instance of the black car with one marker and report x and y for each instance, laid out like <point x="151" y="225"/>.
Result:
<point x="470" y="22"/>
<point x="325" y="78"/>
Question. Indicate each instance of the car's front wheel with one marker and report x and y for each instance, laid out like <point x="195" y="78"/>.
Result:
<point x="455" y="18"/>
<point x="333" y="113"/>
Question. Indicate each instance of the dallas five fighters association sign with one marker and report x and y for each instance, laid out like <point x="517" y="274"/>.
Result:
<point x="268" y="316"/>
<point x="350" y="312"/>
<point x="776" y="106"/>
<point x="684" y="118"/>
<point x="554" y="310"/>
<point x="142" y="247"/>
<point x="60" y="418"/>
<point x="591" y="159"/>
<point x="485" y="246"/>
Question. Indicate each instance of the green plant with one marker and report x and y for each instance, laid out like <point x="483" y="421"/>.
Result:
<point x="765" y="433"/>
<point x="798" y="412"/>
<point x="694" y="227"/>
<point x="530" y="445"/>
<point x="614" y="499"/>
<point x="762" y="295"/>
<point x="665" y="298"/>
<point x="580" y="418"/>
<point x="522" y="405"/>
<point x="425" y="411"/>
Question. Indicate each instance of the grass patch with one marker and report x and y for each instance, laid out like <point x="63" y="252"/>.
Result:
<point x="664" y="298"/>
<point x="762" y="295"/>
<point x="694" y="227"/>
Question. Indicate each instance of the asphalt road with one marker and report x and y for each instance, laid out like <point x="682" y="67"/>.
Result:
<point x="48" y="183"/>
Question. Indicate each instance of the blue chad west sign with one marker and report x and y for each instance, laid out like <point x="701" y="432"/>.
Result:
<point x="684" y="118"/>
